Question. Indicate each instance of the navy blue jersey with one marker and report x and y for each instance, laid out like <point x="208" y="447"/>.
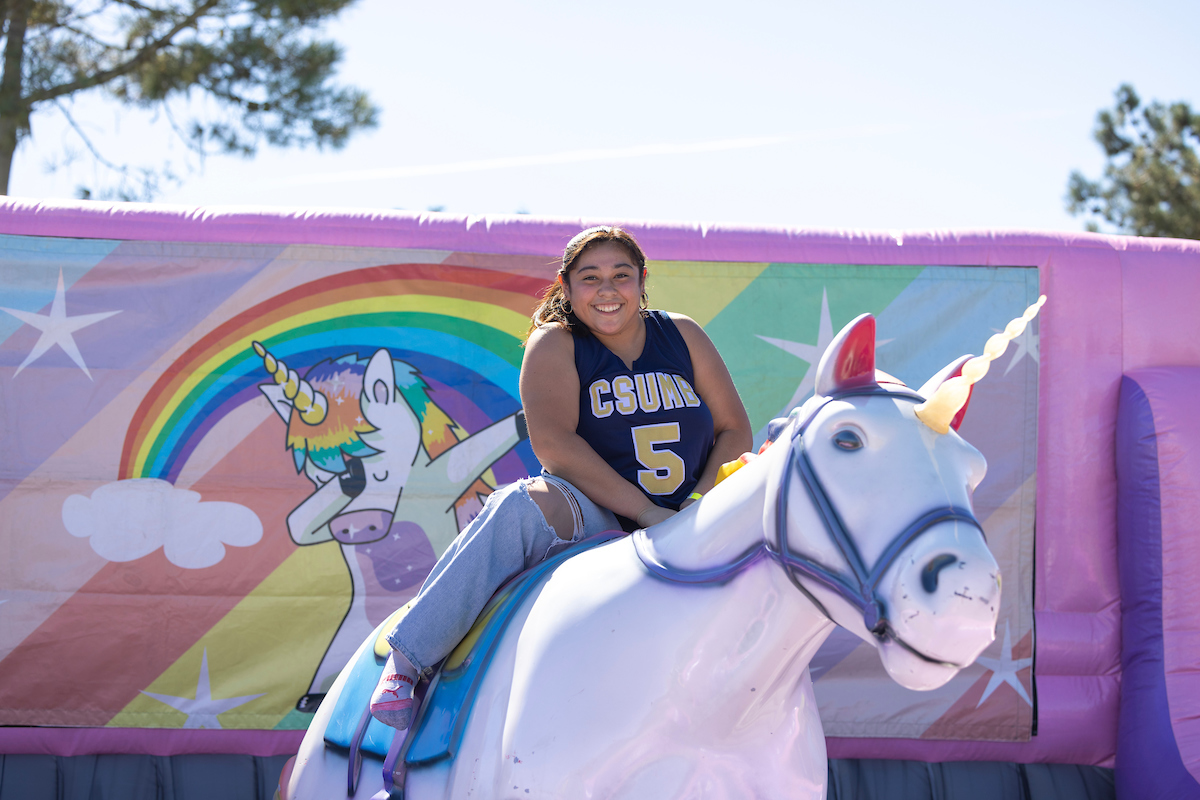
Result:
<point x="647" y="422"/>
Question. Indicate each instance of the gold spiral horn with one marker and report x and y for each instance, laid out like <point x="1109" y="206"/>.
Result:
<point x="938" y="411"/>
<point x="311" y="404"/>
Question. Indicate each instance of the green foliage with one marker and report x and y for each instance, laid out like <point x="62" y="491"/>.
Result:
<point x="1151" y="184"/>
<point x="259" y="60"/>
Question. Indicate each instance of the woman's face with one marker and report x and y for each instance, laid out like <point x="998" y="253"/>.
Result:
<point x="605" y="289"/>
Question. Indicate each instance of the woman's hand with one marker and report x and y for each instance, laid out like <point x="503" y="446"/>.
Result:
<point x="652" y="515"/>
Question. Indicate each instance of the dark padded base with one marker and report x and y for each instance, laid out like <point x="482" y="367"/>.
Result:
<point x="132" y="777"/>
<point x="876" y="779"/>
<point x="230" y="777"/>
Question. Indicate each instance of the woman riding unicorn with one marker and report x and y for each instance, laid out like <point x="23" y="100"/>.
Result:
<point x="630" y="411"/>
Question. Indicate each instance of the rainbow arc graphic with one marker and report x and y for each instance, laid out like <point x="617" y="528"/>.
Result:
<point x="461" y="327"/>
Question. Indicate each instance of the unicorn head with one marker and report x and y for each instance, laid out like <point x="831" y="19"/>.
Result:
<point x="375" y="417"/>
<point x="885" y="586"/>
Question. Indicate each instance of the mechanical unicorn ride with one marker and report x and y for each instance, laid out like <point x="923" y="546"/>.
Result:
<point x="673" y="662"/>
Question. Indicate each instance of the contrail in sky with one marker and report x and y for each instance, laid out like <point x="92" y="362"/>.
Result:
<point x="569" y="157"/>
<point x="597" y="154"/>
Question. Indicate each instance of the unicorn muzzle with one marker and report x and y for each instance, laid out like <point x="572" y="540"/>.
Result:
<point x="361" y="527"/>
<point x="945" y="590"/>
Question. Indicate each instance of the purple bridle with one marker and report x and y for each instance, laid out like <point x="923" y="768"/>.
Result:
<point x="861" y="587"/>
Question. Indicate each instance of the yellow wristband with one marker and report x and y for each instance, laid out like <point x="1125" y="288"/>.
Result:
<point x="694" y="496"/>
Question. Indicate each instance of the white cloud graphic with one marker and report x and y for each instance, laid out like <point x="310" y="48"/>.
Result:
<point x="126" y="520"/>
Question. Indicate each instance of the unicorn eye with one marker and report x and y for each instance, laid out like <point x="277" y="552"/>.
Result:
<point x="846" y="439"/>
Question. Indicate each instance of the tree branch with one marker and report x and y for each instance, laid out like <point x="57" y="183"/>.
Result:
<point x="238" y="100"/>
<point x="82" y="33"/>
<point x="183" y="136"/>
<point x="149" y="178"/>
<point x="76" y="15"/>
<point x="143" y="55"/>
<point x="88" y="142"/>
<point x="138" y="6"/>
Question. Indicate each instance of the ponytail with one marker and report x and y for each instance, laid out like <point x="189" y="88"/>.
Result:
<point x="555" y="307"/>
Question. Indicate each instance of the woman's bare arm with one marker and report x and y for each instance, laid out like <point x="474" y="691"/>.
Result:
<point x="731" y="425"/>
<point x="550" y="395"/>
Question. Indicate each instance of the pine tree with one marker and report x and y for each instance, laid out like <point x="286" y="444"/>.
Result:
<point x="1151" y="183"/>
<point x="260" y="60"/>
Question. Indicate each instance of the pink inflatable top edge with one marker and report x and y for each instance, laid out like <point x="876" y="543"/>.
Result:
<point x="520" y="234"/>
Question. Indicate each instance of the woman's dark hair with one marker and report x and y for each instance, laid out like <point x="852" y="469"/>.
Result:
<point x="553" y="307"/>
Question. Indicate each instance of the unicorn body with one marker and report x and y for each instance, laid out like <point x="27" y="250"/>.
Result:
<point x="378" y="490"/>
<point x="673" y="663"/>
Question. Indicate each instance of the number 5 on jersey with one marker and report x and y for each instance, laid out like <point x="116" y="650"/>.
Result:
<point x="664" y="468"/>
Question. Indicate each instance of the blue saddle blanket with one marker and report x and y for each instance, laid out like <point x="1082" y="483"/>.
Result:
<point x="443" y="715"/>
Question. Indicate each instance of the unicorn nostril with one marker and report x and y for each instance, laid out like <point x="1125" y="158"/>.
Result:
<point x="929" y="575"/>
<point x="361" y="527"/>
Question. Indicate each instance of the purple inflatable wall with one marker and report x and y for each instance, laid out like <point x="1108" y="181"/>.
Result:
<point x="1158" y="506"/>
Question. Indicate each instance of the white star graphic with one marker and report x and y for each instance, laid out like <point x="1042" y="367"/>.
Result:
<point x="202" y="712"/>
<point x="1004" y="670"/>
<point x="57" y="328"/>
<point x="1026" y="345"/>
<point x="806" y="352"/>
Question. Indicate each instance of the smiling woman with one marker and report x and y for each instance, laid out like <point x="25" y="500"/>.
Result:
<point x="640" y="364"/>
<point x="607" y="292"/>
<point x="614" y="269"/>
<point x="630" y="411"/>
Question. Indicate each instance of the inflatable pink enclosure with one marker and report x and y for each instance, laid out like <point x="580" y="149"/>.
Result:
<point x="1118" y="306"/>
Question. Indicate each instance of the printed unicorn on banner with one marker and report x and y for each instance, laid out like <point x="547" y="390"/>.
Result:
<point x="676" y="659"/>
<point x="383" y="459"/>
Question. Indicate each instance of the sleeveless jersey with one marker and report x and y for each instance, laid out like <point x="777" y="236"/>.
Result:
<point x="647" y="422"/>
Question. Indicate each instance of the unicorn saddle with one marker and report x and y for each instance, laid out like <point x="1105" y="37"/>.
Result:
<point x="442" y="716"/>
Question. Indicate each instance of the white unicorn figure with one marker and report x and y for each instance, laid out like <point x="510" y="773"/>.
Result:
<point x="358" y="435"/>
<point x="673" y="663"/>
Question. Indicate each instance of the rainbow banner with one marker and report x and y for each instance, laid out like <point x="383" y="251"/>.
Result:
<point x="183" y="434"/>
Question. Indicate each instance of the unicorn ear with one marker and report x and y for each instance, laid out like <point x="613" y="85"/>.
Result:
<point x="379" y="385"/>
<point x="951" y="370"/>
<point x="849" y="362"/>
<point x="279" y="401"/>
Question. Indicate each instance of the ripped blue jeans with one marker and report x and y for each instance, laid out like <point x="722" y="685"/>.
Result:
<point x="509" y="535"/>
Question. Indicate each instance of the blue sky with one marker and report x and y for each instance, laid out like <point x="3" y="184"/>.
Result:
<point x="922" y="115"/>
